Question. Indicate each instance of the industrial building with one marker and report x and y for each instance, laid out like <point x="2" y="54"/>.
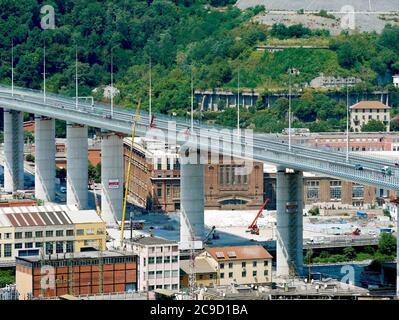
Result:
<point x="25" y="231"/>
<point x="155" y="179"/>
<point x="76" y="274"/>
<point x="158" y="263"/>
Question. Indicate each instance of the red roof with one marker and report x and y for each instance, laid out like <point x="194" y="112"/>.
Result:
<point x="370" y="105"/>
<point x="255" y="252"/>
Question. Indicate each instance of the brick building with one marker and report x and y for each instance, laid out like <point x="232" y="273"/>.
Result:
<point x="77" y="274"/>
<point x="155" y="180"/>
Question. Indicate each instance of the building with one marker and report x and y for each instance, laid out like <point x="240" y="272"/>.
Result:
<point x="76" y="274"/>
<point x="363" y="111"/>
<point x="206" y="274"/>
<point x="155" y="180"/>
<point x="324" y="81"/>
<point x="28" y="231"/>
<point x="241" y="264"/>
<point x="158" y="263"/>
<point x="395" y="80"/>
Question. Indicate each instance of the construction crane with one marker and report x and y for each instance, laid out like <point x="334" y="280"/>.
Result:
<point x="253" y="227"/>
<point x="192" y="277"/>
<point x="127" y="178"/>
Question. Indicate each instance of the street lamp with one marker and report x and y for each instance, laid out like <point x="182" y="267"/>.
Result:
<point x="44" y="72"/>
<point x="291" y="71"/>
<point x="76" y="79"/>
<point x="112" y="82"/>
<point x="347" y="121"/>
<point x="12" y="67"/>
<point x="192" y="101"/>
<point x="150" y="94"/>
<point x="238" y="102"/>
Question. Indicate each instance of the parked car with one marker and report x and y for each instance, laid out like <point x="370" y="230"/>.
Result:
<point x="386" y="170"/>
<point x="358" y="167"/>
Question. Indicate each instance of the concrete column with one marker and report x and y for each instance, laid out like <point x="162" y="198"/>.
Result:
<point x="44" y="158"/>
<point x="289" y="222"/>
<point x="397" y="255"/>
<point x="13" y="150"/>
<point x="192" y="201"/>
<point x="112" y="177"/>
<point x="77" y="165"/>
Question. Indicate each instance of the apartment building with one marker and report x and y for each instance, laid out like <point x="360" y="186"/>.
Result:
<point x="364" y="111"/>
<point x="82" y="273"/>
<point x="158" y="263"/>
<point x="206" y="274"/>
<point x="241" y="264"/>
<point x="155" y="179"/>
<point x="27" y="231"/>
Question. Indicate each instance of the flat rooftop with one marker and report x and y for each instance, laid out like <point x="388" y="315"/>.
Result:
<point x="149" y="241"/>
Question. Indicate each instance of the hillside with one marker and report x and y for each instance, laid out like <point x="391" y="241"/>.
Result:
<point x="179" y="37"/>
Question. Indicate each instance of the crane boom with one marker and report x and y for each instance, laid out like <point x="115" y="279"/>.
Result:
<point x="253" y="225"/>
<point x="135" y="119"/>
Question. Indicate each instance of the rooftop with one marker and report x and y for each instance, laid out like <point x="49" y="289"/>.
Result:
<point x="239" y="253"/>
<point x="149" y="241"/>
<point x="76" y="255"/>
<point x="201" y="265"/>
<point x="50" y="215"/>
<point x="370" y="105"/>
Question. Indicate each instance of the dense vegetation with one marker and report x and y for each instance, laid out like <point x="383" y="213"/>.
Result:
<point x="6" y="277"/>
<point x="181" y="37"/>
<point x="385" y="252"/>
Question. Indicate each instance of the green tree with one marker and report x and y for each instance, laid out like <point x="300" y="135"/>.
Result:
<point x="373" y="126"/>
<point x="349" y="253"/>
<point x="387" y="244"/>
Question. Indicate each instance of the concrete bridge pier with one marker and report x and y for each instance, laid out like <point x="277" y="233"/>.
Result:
<point x="44" y="158"/>
<point x="289" y="222"/>
<point x="77" y="165"/>
<point x="112" y="177"/>
<point x="192" y="200"/>
<point x="13" y="150"/>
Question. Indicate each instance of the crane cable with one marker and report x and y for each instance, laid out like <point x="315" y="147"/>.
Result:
<point x="135" y="119"/>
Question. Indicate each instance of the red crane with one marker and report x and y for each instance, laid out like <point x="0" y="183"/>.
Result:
<point x="253" y="227"/>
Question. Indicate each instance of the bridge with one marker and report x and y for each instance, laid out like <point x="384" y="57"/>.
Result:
<point x="197" y="141"/>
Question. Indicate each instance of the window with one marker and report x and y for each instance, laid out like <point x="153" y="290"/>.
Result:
<point x="265" y="263"/>
<point x="174" y="259"/>
<point x="230" y="274"/>
<point x="28" y="245"/>
<point x="90" y="232"/>
<point x="254" y="273"/>
<point x="159" y="191"/>
<point x="59" y="247"/>
<point x="28" y="235"/>
<point x="168" y="190"/>
<point x="221" y="175"/>
<point x="175" y="273"/>
<point x="166" y="274"/>
<point x="266" y="272"/>
<point x="176" y="191"/>
<point x="313" y="188"/>
<point x="167" y="164"/>
<point x="151" y="260"/>
<point x="7" y="235"/>
<point x="222" y="275"/>
<point x="18" y="246"/>
<point x="335" y="190"/>
<point x="176" y="165"/>
<point x="151" y="274"/>
<point x="174" y="286"/>
<point x="49" y="233"/>
<point x="49" y="248"/>
<point x="233" y="175"/>
<point x="243" y="274"/>
<point x="69" y="233"/>
<point x="18" y="235"/>
<point x="254" y="264"/>
<point x="357" y="191"/>
<point x="159" y="260"/>
<point x="39" y="234"/>
<point x="230" y="265"/>
<point x="159" y="164"/>
<point x="69" y="246"/>
<point x="167" y="259"/>
<point x="80" y="232"/>
<point x="243" y="264"/>
<point x="7" y="250"/>
<point x="222" y="266"/>
<point x="227" y="175"/>
<point x="59" y="233"/>
<point x="39" y="244"/>
<point x="159" y="274"/>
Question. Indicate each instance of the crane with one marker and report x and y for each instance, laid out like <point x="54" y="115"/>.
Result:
<point x="127" y="179"/>
<point x="253" y="227"/>
<point x="192" y="277"/>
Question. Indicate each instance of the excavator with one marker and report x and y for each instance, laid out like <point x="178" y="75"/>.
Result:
<point x="253" y="227"/>
<point x="212" y="233"/>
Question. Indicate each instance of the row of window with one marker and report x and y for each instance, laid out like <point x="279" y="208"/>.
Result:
<point x="165" y="286"/>
<point x="371" y="117"/>
<point x="371" y="110"/>
<point x="176" y="191"/>
<point x="39" y="234"/>
<point x="244" y="274"/>
<point x="244" y="264"/>
<point x="166" y="259"/>
<point x="230" y="175"/>
<point x="163" y="274"/>
<point x="176" y="164"/>
<point x="313" y="190"/>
